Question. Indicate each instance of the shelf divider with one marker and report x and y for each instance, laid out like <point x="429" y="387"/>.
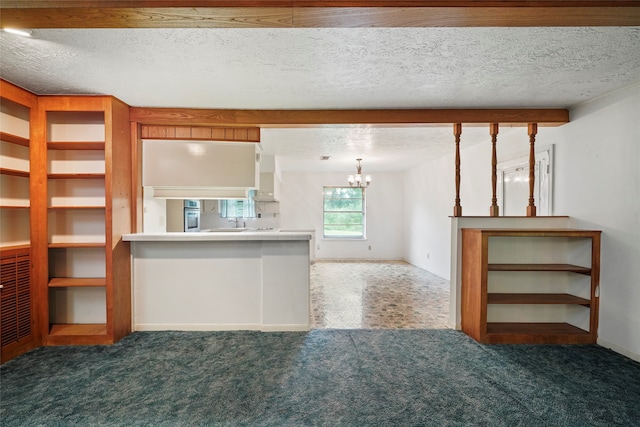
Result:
<point x="68" y="282"/>
<point x="536" y="333"/>
<point x="14" y="139"/>
<point x="76" y="207"/>
<point x="541" y="298"/>
<point x="14" y="172"/>
<point x="540" y="267"/>
<point x="75" y="145"/>
<point x="76" y="176"/>
<point x="60" y="329"/>
<point x="67" y="245"/>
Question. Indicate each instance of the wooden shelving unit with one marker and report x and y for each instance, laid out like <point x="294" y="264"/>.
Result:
<point x="65" y="202"/>
<point x="18" y="315"/>
<point x="84" y="208"/>
<point x="493" y="310"/>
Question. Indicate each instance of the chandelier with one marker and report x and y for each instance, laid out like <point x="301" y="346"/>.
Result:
<point x="356" y="180"/>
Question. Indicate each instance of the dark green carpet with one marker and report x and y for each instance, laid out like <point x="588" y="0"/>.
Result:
<point x="321" y="378"/>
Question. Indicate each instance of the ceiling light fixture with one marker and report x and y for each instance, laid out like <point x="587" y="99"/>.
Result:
<point x="356" y="180"/>
<point x="17" y="32"/>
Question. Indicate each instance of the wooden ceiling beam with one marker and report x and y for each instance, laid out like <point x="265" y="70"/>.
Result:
<point x="317" y="13"/>
<point x="302" y="118"/>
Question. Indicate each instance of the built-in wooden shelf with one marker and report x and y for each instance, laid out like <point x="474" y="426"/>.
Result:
<point x="68" y="282"/>
<point x="77" y="207"/>
<point x="540" y="267"/>
<point x="18" y="314"/>
<point x="536" y="333"/>
<point x="538" y="232"/>
<point x="12" y="249"/>
<point x="63" y="329"/>
<point x="71" y="245"/>
<point x="14" y="172"/>
<point x="14" y="207"/>
<point x="484" y="321"/>
<point x="82" y="146"/>
<point x="515" y="298"/>
<point x="14" y="139"/>
<point x="76" y="176"/>
<point x="75" y="145"/>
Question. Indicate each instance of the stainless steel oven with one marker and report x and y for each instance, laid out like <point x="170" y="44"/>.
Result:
<point x="191" y="215"/>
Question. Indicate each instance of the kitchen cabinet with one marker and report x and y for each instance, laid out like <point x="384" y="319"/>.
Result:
<point x="200" y="170"/>
<point x="530" y="285"/>
<point x="269" y="190"/>
<point x="250" y="280"/>
<point x="83" y="266"/>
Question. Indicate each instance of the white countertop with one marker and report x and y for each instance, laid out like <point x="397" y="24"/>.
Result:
<point x="247" y="235"/>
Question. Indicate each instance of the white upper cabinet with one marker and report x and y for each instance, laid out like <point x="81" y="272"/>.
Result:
<point x="196" y="169"/>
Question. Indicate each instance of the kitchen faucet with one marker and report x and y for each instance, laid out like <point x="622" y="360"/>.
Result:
<point x="235" y="221"/>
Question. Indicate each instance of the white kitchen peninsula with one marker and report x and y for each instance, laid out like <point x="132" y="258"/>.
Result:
<point x="249" y="280"/>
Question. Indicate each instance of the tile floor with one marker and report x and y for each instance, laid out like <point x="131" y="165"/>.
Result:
<point x="377" y="295"/>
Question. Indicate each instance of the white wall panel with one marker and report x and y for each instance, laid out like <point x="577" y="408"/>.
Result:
<point x="301" y="208"/>
<point x="597" y="183"/>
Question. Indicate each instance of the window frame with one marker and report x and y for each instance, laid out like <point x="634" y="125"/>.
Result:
<point x="363" y="212"/>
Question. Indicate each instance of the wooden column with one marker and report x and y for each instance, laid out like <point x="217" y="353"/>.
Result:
<point x="494" y="210"/>
<point x="39" y="217"/>
<point x="137" y="203"/>
<point x="457" y="131"/>
<point x="533" y="129"/>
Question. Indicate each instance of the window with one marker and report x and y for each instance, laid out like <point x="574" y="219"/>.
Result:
<point x="344" y="213"/>
<point x="238" y="208"/>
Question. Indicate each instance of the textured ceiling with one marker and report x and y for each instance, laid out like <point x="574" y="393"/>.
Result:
<point x="332" y="69"/>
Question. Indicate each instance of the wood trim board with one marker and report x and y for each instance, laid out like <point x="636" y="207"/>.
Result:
<point x="317" y="13"/>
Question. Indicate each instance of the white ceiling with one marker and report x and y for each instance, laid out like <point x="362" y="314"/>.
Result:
<point x="335" y="68"/>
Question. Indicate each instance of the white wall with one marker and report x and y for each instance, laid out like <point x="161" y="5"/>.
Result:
<point x="596" y="183"/>
<point x="154" y="212"/>
<point x="429" y="199"/>
<point x="301" y="208"/>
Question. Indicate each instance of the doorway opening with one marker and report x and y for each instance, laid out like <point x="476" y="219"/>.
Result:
<point x="513" y="184"/>
<point x="377" y="295"/>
